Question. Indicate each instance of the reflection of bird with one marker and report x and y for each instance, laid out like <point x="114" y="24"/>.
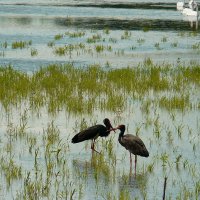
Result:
<point x="132" y="143"/>
<point x="93" y="132"/>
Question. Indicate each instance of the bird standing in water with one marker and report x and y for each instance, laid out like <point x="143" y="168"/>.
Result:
<point x="133" y="144"/>
<point x="93" y="132"/>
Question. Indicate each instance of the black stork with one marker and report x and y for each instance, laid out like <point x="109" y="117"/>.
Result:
<point x="93" y="132"/>
<point x="133" y="144"/>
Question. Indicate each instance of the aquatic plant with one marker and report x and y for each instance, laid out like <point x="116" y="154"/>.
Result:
<point x="126" y="35"/>
<point x="140" y="41"/>
<point x="57" y="80"/>
<point x="75" y="34"/>
<point x="34" y="52"/>
<point x="58" y="37"/>
<point x="164" y="39"/>
<point x="21" y="44"/>
<point x="106" y="31"/>
<point x="95" y="38"/>
<point x="51" y="44"/>
<point x="11" y="170"/>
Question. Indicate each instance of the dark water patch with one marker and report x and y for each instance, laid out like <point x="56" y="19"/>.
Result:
<point x="123" y="24"/>
<point x="101" y="23"/>
<point x="126" y="5"/>
<point x="170" y="6"/>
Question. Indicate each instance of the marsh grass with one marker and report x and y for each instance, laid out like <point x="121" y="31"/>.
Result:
<point x="95" y="38"/>
<point x="34" y="52"/>
<point x="66" y="86"/>
<point x="58" y="37"/>
<point x="75" y="34"/>
<point x="81" y="92"/>
<point x="11" y="170"/>
<point x="126" y="35"/>
<point x="21" y="44"/>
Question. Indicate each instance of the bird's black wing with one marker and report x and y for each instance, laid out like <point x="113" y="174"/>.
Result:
<point x="88" y="134"/>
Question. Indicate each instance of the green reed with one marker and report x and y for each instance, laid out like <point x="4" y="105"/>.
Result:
<point x="21" y="44"/>
<point x="65" y="86"/>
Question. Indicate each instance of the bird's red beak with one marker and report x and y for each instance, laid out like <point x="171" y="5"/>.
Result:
<point x="113" y="129"/>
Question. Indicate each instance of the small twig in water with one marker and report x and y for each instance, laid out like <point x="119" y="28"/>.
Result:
<point x="165" y="185"/>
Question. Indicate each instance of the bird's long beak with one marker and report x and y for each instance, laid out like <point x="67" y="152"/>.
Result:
<point x="112" y="129"/>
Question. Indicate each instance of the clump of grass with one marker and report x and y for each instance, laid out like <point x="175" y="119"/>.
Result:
<point x="4" y="44"/>
<point x="126" y="35"/>
<point x="21" y="44"/>
<point x="196" y="46"/>
<point x="51" y="44"/>
<point x="124" y="195"/>
<point x="68" y="49"/>
<point x="174" y="44"/>
<point x="75" y="34"/>
<point x="95" y="38"/>
<point x="157" y="45"/>
<point x="58" y="37"/>
<point x="60" y="51"/>
<point x="164" y="39"/>
<point x="34" y="52"/>
<point x="133" y="47"/>
<point x="52" y="134"/>
<point x="145" y="29"/>
<point x="99" y="48"/>
<point x="175" y="102"/>
<point x="164" y="158"/>
<point x="140" y="41"/>
<point x="10" y="170"/>
<point x="106" y="31"/>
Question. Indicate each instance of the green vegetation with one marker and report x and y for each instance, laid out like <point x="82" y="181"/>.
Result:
<point x="95" y="38"/>
<point x="40" y="112"/>
<point x="80" y="92"/>
<point x="58" y="37"/>
<point x="126" y="35"/>
<point x="34" y="52"/>
<point x="21" y="44"/>
<point x="75" y="34"/>
<point x="65" y="86"/>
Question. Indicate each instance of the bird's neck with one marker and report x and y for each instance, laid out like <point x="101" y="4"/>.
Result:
<point x="121" y="134"/>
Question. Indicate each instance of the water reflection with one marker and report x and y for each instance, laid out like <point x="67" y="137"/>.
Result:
<point x="121" y="24"/>
<point x="134" y="186"/>
<point x="103" y="179"/>
<point x="95" y="175"/>
<point x="193" y="21"/>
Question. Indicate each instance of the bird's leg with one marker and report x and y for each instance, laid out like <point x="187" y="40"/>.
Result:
<point x="92" y="146"/>
<point x="130" y="164"/>
<point x="135" y="164"/>
<point x="130" y="160"/>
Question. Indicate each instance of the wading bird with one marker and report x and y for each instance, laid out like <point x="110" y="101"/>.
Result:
<point x="133" y="144"/>
<point x="93" y="132"/>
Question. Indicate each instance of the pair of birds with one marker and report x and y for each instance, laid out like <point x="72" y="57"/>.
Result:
<point x="132" y="143"/>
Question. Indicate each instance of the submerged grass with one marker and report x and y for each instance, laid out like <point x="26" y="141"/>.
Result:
<point x="81" y="90"/>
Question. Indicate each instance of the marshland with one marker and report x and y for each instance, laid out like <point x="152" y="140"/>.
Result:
<point x="65" y="66"/>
